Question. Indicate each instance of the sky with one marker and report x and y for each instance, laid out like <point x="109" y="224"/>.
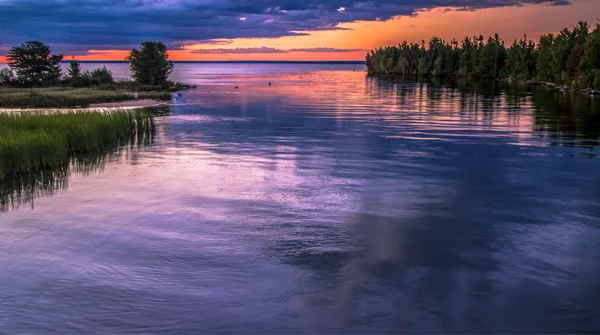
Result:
<point x="219" y="30"/>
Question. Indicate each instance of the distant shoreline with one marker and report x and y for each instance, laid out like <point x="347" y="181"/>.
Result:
<point x="233" y="61"/>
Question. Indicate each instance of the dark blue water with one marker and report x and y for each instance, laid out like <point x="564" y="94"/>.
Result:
<point x="327" y="202"/>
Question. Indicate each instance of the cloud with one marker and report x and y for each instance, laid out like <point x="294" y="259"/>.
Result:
<point x="261" y="50"/>
<point x="123" y="23"/>
<point x="267" y="50"/>
<point x="4" y="48"/>
<point x="325" y="50"/>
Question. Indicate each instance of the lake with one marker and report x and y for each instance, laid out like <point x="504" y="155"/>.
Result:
<point x="328" y="202"/>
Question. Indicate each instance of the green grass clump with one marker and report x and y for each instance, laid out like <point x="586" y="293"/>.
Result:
<point x="60" y="96"/>
<point x="162" y="96"/>
<point x="34" y="141"/>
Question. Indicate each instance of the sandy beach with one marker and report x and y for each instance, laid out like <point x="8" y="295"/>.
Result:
<point x="129" y="104"/>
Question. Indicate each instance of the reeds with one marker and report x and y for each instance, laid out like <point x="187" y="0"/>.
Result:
<point x="62" y="97"/>
<point x="35" y="141"/>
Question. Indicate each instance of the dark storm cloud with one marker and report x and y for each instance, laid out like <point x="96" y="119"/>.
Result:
<point x="123" y="23"/>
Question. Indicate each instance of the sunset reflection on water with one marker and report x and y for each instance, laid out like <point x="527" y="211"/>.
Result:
<point x="327" y="202"/>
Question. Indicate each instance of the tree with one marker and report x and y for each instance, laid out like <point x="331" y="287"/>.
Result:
<point x="544" y="61"/>
<point x="590" y="62"/>
<point x="561" y="49"/>
<point x="151" y="64"/>
<point x="74" y="70"/>
<point x="574" y="60"/>
<point x="520" y="59"/>
<point x="33" y="63"/>
<point x="571" y="57"/>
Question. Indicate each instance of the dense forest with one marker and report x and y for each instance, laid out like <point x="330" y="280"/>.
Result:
<point x="571" y="57"/>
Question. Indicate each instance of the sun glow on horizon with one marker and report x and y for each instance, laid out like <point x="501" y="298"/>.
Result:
<point x="351" y="41"/>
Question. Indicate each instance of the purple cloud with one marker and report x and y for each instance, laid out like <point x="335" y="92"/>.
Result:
<point x="122" y="23"/>
<point x="268" y="50"/>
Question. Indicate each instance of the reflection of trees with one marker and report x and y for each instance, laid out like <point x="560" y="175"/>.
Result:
<point x="442" y="255"/>
<point x="25" y="188"/>
<point x="568" y="119"/>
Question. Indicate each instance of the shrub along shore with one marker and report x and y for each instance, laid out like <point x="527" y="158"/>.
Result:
<point x="70" y="97"/>
<point x="31" y="142"/>
<point x="34" y="79"/>
<point x="567" y="61"/>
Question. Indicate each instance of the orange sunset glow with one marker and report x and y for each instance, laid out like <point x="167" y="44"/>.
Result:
<point x="354" y="39"/>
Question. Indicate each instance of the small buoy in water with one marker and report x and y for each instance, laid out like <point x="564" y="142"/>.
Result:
<point x="236" y="87"/>
<point x="269" y="84"/>
<point x="179" y="95"/>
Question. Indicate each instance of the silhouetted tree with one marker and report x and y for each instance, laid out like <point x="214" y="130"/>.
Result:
<point x="151" y="64"/>
<point x="33" y="63"/>
<point x="74" y="69"/>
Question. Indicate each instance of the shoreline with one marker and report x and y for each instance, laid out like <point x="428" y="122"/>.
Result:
<point x="129" y="104"/>
<point x="553" y="87"/>
<point x="98" y="107"/>
<point x="116" y="95"/>
<point x="529" y="82"/>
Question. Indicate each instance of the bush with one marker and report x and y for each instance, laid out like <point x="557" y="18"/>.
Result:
<point x="79" y="81"/>
<point x="597" y="80"/>
<point x="583" y="80"/>
<point x="7" y="77"/>
<point x="96" y="77"/>
<point x="101" y="76"/>
<point x="564" y="78"/>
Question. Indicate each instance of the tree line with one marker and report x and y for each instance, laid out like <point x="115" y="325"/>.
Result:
<point x="33" y="64"/>
<point x="571" y="57"/>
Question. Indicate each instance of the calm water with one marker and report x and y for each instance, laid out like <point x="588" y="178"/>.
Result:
<point x="328" y="202"/>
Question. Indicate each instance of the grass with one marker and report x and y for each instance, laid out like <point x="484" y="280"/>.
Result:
<point x="59" y="97"/>
<point x="34" y="141"/>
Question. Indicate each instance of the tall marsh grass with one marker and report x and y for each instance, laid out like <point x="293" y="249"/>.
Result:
<point x="35" y="141"/>
<point x="61" y="97"/>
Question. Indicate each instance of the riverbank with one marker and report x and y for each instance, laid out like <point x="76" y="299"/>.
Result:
<point x="128" y="104"/>
<point x="554" y="87"/>
<point x="33" y="141"/>
<point x="549" y="85"/>
<point x="120" y="94"/>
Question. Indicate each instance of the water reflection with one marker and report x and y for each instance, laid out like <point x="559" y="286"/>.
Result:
<point x="25" y="188"/>
<point x="328" y="202"/>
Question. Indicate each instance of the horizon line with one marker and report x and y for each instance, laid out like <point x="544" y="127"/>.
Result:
<point x="226" y="61"/>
